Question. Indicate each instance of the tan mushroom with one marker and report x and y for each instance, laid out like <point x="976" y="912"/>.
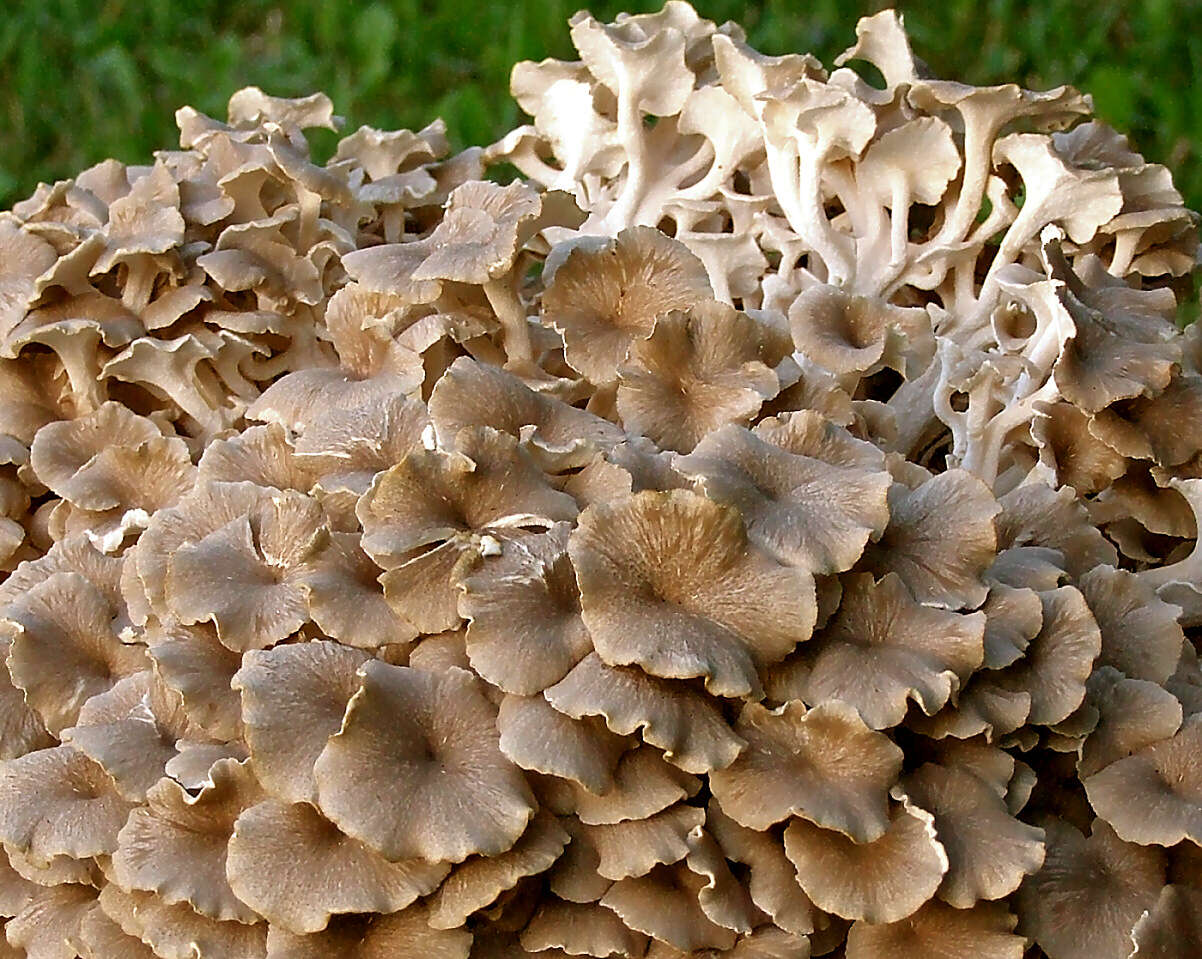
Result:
<point x="667" y="582"/>
<point x="804" y="494"/>
<point x="1090" y="893"/>
<point x="477" y="882"/>
<point x="605" y="296"/>
<point x="177" y="844"/>
<point x="937" y="931"/>
<point x="1154" y="795"/>
<point x="881" y="881"/>
<point x="538" y="737"/>
<point x="700" y="369"/>
<point x="883" y="649"/>
<point x="686" y="725"/>
<point x="293" y="700"/>
<point x="65" y="649"/>
<point x="940" y="539"/>
<point x="435" y="732"/>
<point x="523" y="609"/>
<point x="294" y="868"/>
<point x="989" y="851"/>
<point x="823" y="764"/>
<point x="58" y="802"/>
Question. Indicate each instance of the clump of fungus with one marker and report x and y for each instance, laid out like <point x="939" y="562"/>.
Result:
<point x="767" y="527"/>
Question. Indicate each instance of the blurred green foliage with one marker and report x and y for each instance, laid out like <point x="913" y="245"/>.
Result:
<point x="81" y="81"/>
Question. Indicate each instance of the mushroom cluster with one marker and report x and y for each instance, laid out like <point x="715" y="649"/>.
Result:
<point x="766" y="528"/>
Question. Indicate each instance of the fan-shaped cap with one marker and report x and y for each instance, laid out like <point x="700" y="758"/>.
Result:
<point x="296" y="869"/>
<point x="1013" y="617"/>
<point x="177" y="931"/>
<point x="344" y="448"/>
<point x="1140" y="633"/>
<point x="431" y="496"/>
<point x="823" y="764"/>
<point x="99" y="936"/>
<point x="205" y="510"/>
<point x="58" y="802"/>
<point x="801" y="498"/>
<point x="679" y="720"/>
<point x="940" y="539"/>
<point x="267" y="555"/>
<point x="665" y="904"/>
<point x="132" y="731"/>
<point x="636" y="846"/>
<point x="402" y="935"/>
<point x="581" y="929"/>
<point x="846" y="333"/>
<point x="471" y="393"/>
<point x="50" y="921"/>
<point x="1132" y="714"/>
<point x="881" y="881"/>
<point x="1155" y="795"/>
<point x="66" y="455"/>
<point x="1090" y="892"/>
<point x="193" y="662"/>
<point x="937" y="931"/>
<point x="524" y="631"/>
<point x="644" y="783"/>
<point x="700" y="369"/>
<point x="262" y="455"/>
<point x="176" y="845"/>
<point x="25" y="258"/>
<point x="604" y="296"/>
<point x="538" y="737"/>
<point x="66" y="650"/>
<point x="988" y="850"/>
<point x="667" y="582"/>
<point x="772" y="881"/>
<point x="416" y="769"/>
<point x="477" y="882"/>
<point x="293" y="700"/>
<point x="883" y="649"/>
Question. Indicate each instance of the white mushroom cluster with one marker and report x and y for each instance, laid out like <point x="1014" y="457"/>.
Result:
<point x="766" y="528"/>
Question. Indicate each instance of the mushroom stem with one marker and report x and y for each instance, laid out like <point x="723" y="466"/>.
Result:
<point x="509" y="310"/>
<point x="139" y="283"/>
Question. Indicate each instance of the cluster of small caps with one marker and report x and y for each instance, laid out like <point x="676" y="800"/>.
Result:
<point x="757" y="534"/>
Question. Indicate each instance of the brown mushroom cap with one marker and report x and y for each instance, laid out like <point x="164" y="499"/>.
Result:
<point x="538" y="737"/>
<point x="604" y="297"/>
<point x="436" y="734"/>
<point x="801" y="498"/>
<point x="293" y="700"/>
<point x="880" y="881"/>
<point x="296" y="869"/>
<point x="176" y="845"/>
<point x="937" y="931"/>
<point x="524" y="628"/>
<point x="988" y="850"/>
<point x="58" y="802"/>
<point x="883" y="649"/>
<point x="667" y="582"/>
<point x="1089" y="893"/>
<point x="686" y="725"/>
<point x="940" y="539"/>
<point x="478" y="881"/>
<point x="66" y="649"/>
<point x="699" y="370"/>
<point x="822" y="764"/>
<point x="1154" y="795"/>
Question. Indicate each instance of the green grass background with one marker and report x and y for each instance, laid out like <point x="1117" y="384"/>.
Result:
<point x="81" y="81"/>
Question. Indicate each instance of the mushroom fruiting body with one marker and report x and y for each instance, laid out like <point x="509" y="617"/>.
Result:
<point x="768" y="529"/>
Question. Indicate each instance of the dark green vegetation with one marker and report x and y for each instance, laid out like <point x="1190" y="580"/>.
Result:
<point x="81" y="81"/>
